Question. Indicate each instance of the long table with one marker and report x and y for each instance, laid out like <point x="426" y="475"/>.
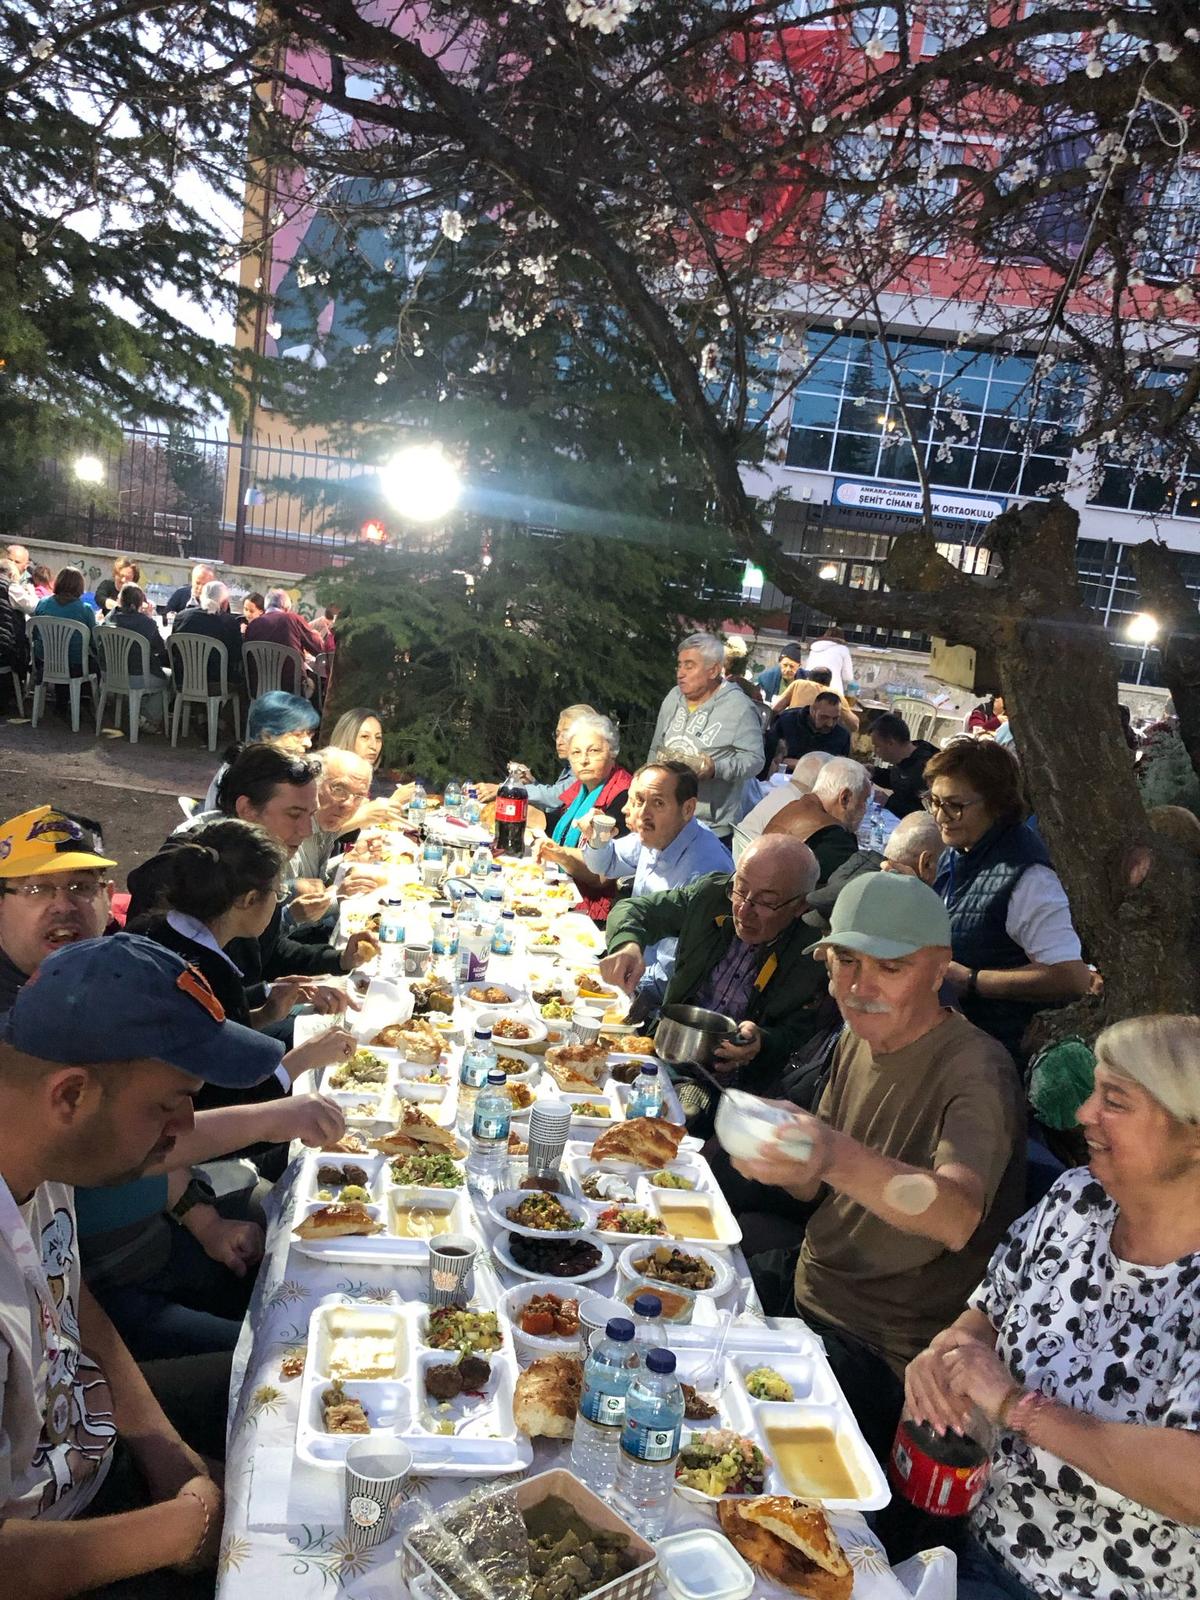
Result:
<point x="284" y="1518"/>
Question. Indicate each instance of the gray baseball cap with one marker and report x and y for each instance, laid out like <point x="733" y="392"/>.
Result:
<point x="885" y="915"/>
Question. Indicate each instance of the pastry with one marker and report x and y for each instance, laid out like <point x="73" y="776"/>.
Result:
<point x="341" y="1414"/>
<point x="350" y="1144"/>
<point x="337" y="1221"/>
<point x="645" y="1142"/>
<point x="520" y="1094"/>
<point x="546" y="1397"/>
<point x="419" y="1125"/>
<point x="791" y="1541"/>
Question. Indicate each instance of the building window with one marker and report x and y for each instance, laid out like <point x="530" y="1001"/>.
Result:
<point x="948" y="23"/>
<point x="978" y="421"/>
<point x="876" y="22"/>
<point x="1171" y="218"/>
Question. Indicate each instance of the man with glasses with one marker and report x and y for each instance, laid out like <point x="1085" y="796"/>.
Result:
<point x="740" y="951"/>
<point x="344" y="786"/>
<point x="54" y="891"/>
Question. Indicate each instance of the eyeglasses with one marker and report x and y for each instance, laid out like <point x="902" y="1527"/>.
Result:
<point x="342" y="791"/>
<point x="952" y="810"/>
<point x="44" y="893"/>
<point x="755" y="903"/>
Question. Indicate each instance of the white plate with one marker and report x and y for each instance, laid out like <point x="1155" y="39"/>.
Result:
<point x="532" y="1345"/>
<point x="479" y="1008"/>
<point x="377" y="1249"/>
<point x="536" y="1035"/>
<point x="501" y="1251"/>
<point x="513" y="1197"/>
<point x="722" y="1281"/>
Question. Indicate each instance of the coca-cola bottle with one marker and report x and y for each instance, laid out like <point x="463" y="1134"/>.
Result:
<point x="512" y="807"/>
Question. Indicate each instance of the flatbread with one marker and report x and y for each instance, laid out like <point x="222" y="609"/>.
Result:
<point x="338" y="1220"/>
<point x="644" y="1142"/>
<point x="546" y="1397"/>
<point x="792" y="1542"/>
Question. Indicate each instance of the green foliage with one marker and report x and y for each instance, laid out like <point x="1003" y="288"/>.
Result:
<point x="1167" y="776"/>
<point x="469" y="675"/>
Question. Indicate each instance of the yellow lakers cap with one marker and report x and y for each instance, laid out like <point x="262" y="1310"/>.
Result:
<point x="45" y="840"/>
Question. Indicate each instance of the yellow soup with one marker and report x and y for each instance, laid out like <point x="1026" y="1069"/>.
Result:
<point x="419" y="1222"/>
<point x="811" y="1462"/>
<point x="689" y="1221"/>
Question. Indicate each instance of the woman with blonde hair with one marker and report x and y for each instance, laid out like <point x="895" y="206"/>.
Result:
<point x="1080" y="1346"/>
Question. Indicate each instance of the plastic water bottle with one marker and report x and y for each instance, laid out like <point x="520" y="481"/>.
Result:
<point x="607" y="1375"/>
<point x="647" y="1097"/>
<point x="487" y="1163"/>
<point x="391" y="936"/>
<point x="432" y="850"/>
<point x="472" y="811"/>
<point x="478" y="1059"/>
<point x="481" y="865"/>
<point x="505" y="934"/>
<point x="650" y="1444"/>
<point x="452" y="797"/>
<point x="491" y="904"/>
<point x="649" y="1329"/>
<point x="418" y="802"/>
<point x="445" y="946"/>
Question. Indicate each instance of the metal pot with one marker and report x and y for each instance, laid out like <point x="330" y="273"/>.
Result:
<point x="687" y="1033"/>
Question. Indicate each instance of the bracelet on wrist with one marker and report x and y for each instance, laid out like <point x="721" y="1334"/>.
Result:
<point x="191" y="1494"/>
<point x="1023" y="1415"/>
<point x="1006" y="1406"/>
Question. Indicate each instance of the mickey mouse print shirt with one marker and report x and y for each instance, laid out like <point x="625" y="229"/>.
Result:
<point x="1109" y="1337"/>
<point x="57" y="1430"/>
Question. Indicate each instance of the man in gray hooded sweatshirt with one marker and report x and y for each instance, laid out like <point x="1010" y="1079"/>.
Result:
<point x="712" y="726"/>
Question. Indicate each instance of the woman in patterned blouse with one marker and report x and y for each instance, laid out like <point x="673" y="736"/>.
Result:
<point x="1082" y="1346"/>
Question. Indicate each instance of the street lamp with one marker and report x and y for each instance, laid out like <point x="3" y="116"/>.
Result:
<point x="88" y="469"/>
<point x="1142" y="628"/>
<point x="421" y="482"/>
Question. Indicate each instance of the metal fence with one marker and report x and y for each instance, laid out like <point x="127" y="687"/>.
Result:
<point x="274" y="503"/>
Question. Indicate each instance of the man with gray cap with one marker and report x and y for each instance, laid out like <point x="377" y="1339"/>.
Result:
<point x="918" y="1140"/>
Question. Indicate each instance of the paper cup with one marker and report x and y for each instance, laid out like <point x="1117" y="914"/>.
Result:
<point x="595" y="1312"/>
<point x="549" y="1125"/>
<point x="604" y="829"/>
<point x="375" y="1474"/>
<point x="450" y="1261"/>
<point x="418" y="959"/>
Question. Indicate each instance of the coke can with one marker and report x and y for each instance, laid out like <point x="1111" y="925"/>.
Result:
<point x="942" y="1473"/>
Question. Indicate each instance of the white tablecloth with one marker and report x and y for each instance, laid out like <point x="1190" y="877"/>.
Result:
<point x="283" y="1526"/>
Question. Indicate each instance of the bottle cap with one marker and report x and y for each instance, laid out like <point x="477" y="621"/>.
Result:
<point x="661" y="1361"/>
<point x="511" y="915"/>
<point x="651" y="1069"/>
<point x="647" y="1305"/>
<point x="496" y="1078"/>
<point x="483" y="1033"/>
<point x="450" y="914"/>
<point x="620" y="1328"/>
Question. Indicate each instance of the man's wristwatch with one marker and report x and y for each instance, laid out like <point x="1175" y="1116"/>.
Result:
<point x="198" y="1192"/>
<point x="972" y="989"/>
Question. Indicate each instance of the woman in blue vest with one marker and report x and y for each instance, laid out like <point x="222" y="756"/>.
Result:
<point x="1015" y="949"/>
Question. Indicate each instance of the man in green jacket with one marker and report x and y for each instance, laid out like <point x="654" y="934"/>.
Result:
<point x="741" y="951"/>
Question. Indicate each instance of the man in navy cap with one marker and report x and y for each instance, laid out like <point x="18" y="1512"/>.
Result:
<point x="81" y="1428"/>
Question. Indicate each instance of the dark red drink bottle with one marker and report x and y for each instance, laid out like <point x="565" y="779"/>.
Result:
<point x="512" y="808"/>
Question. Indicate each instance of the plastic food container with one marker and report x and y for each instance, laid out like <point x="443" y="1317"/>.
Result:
<point x="701" y="1564"/>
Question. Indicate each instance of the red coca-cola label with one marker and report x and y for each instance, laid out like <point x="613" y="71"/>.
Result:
<point x="935" y="1486"/>
<point x="511" y="808"/>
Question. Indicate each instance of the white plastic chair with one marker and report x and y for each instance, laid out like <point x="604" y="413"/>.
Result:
<point x="116" y="647"/>
<point x="321" y="667"/>
<point x="264" y="667"/>
<point x="190" y="655"/>
<point x="18" y="690"/>
<point x="56" y="634"/>
<point x="921" y="715"/>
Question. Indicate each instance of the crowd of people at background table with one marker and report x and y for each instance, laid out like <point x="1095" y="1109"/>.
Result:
<point x="204" y="606"/>
<point x="882" y="976"/>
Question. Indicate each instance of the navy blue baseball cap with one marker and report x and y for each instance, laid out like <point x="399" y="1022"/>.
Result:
<point x="125" y="998"/>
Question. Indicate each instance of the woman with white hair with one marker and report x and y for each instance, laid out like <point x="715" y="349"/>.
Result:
<point x="599" y="783"/>
<point x="1080" y="1346"/>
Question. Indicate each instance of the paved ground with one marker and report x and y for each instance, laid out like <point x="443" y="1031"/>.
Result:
<point x="129" y="789"/>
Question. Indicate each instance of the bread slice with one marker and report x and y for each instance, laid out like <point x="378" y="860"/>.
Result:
<point x="546" y="1397"/>
<point x="645" y="1142"/>
<point x="791" y="1541"/>
<point x="338" y="1221"/>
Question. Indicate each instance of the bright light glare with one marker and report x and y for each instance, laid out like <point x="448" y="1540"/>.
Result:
<point x="421" y="482"/>
<point x="88" y="469"/>
<point x="1142" y="628"/>
<point x="829" y="572"/>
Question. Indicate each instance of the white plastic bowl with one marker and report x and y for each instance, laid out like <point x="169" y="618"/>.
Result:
<point x="498" y="1210"/>
<point x="629" y="1273"/>
<point x="745" y="1124"/>
<point x="532" y="1344"/>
